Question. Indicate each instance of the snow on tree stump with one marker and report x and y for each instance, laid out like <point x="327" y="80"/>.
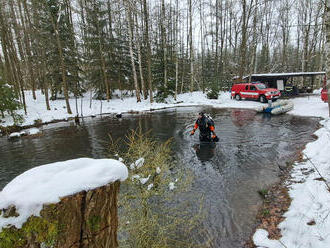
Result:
<point x="87" y="218"/>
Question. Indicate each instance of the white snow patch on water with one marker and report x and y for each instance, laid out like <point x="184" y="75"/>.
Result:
<point x="48" y="183"/>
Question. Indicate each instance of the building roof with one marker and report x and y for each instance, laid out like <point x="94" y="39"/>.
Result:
<point x="285" y="74"/>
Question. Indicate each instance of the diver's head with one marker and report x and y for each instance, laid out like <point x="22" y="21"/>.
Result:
<point x="201" y="115"/>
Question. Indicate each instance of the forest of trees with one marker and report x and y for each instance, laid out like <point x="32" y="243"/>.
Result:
<point x="154" y="47"/>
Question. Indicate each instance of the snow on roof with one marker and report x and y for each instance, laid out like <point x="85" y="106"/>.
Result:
<point x="287" y="74"/>
<point x="48" y="183"/>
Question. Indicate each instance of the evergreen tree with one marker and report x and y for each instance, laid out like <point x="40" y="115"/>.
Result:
<point x="9" y="101"/>
<point x="97" y="46"/>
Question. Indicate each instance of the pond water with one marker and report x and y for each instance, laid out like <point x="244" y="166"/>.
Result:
<point x="247" y="158"/>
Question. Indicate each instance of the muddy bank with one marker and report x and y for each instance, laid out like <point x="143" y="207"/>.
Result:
<point x="276" y="202"/>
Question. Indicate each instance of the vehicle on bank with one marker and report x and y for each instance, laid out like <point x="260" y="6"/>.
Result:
<point x="324" y="92"/>
<point x="324" y="95"/>
<point x="254" y="91"/>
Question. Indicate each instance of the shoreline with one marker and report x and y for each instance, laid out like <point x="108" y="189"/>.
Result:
<point x="5" y="130"/>
<point x="275" y="203"/>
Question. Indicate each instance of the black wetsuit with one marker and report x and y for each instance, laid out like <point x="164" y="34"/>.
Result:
<point x="205" y="127"/>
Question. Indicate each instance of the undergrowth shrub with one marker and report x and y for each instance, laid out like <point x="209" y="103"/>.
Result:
<point x="158" y="213"/>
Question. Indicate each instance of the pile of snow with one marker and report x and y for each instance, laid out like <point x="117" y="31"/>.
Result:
<point x="150" y="186"/>
<point x="49" y="183"/>
<point x="307" y="222"/>
<point x="144" y="180"/>
<point x="318" y="91"/>
<point x="311" y="106"/>
<point x="14" y="135"/>
<point x="138" y="164"/>
<point x="31" y="131"/>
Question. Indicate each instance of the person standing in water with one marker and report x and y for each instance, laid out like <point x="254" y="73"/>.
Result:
<point x="206" y="128"/>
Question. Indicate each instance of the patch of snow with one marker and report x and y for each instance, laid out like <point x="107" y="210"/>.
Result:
<point x="121" y="159"/>
<point x="23" y="133"/>
<point x="136" y="177"/>
<point x="132" y="166"/>
<point x="318" y="91"/>
<point x="33" y="131"/>
<point x="144" y="180"/>
<point x="158" y="170"/>
<point x="310" y="106"/>
<point x="261" y="238"/>
<point x="139" y="163"/>
<point x="46" y="184"/>
<point x="171" y="186"/>
<point x="150" y="186"/>
<point x="14" y="135"/>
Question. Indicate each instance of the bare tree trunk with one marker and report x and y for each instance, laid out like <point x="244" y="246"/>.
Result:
<point x="176" y="50"/>
<point x="243" y="42"/>
<point x="130" y="33"/>
<point x="27" y="33"/>
<point x="103" y="66"/>
<point x="327" y="24"/>
<point x="191" y="48"/>
<point x="245" y="20"/>
<point x="164" y="45"/>
<point x="45" y="80"/>
<point x="202" y="42"/>
<point x="138" y="44"/>
<point x="11" y="60"/>
<point x="254" y="41"/>
<point x="59" y="48"/>
<point x="216" y="61"/>
<point x="146" y="23"/>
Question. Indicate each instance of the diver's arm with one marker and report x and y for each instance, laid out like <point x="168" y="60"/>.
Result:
<point x="212" y="130"/>
<point x="194" y="129"/>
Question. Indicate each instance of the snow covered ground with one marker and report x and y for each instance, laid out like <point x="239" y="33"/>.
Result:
<point x="307" y="223"/>
<point x="48" y="183"/>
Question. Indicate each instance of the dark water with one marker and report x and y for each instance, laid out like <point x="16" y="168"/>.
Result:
<point x="228" y="175"/>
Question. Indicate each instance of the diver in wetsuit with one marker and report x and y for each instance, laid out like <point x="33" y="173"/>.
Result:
<point x="206" y="128"/>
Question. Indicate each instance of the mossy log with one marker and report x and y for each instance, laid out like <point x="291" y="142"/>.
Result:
<point x="86" y="219"/>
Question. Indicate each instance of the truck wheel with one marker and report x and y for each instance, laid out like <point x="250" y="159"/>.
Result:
<point x="262" y="99"/>
<point x="238" y="97"/>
